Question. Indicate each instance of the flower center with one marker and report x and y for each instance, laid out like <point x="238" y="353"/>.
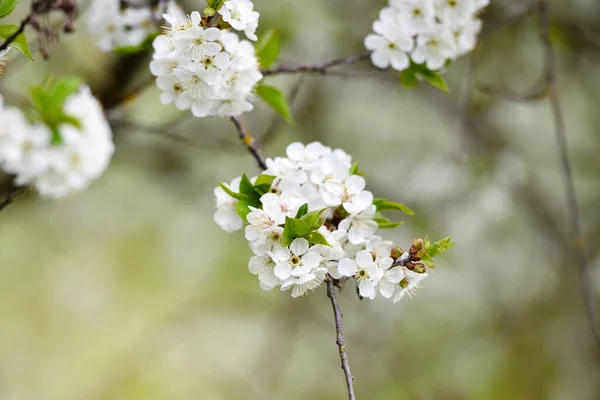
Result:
<point x="362" y="274"/>
<point x="295" y="260"/>
<point x="452" y="3"/>
<point x="416" y="12"/>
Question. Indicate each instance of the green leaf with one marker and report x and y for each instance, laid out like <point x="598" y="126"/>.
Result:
<point x="313" y="219"/>
<point x="233" y="194"/>
<point x="209" y="12"/>
<point x="63" y="89"/>
<point x="7" y="6"/>
<point x="316" y="238"/>
<point x="294" y="228"/>
<point x="67" y="119"/>
<point x="20" y="43"/>
<point x="247" y="188"/>
<point x="241" y="208"/>
<point x="432" y="250"/>
<point x="355" y="171"/>
<point x="302" y="210"/>
<point x="389" y="225"/>
<point x="384" y="204"/>
<point x="215" y="4"/>
<point x="435" y="79"/>
<point x="273" y="97"/>
<point x="408" y="78"/>
<point x="263" y="183"/>
<point x="267" y="48"/>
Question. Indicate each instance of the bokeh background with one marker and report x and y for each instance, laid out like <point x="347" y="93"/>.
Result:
<point x="130" y="291"/>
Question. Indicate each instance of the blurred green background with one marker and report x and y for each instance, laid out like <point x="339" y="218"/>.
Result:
<point x="130" y="291"/>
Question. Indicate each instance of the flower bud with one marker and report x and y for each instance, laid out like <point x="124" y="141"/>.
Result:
<point x="417" y="246"/>
<point x="396" y="252"/>
<point x="416" y="267"/>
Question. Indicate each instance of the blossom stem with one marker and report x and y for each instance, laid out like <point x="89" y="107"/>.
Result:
<point x="315" y="68"/>
<point x="250" y="143"/>
<point x="340" y="338"/>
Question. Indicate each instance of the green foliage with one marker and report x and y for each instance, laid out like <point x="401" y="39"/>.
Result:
<point x="215" y="4"/>
<point x="294" y="228"/>
<point x="384" y="204"/>
<point x="305" y="227"/>
<point x="355" y="170"/>
<point x="20" y="42"/>
<point x="273" y="97"/>
<point x="410" y="77"/>
<point x="431" y="250"/>
<point x="302" y="210"/>
<point x="385" y="223"/>
<point x="7" y="6"/>
<point x="267" y="48"/>
<point x="209" y="12"/>
<point x="263" y="183"/>
<point x="49" y="100"/>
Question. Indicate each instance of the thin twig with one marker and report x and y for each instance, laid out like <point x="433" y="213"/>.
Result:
<point x="12" y="196"/>
<point x="577" y="240"/>
<point x="250" y="143"/>
<point x="340" y="338"/>
<point x="315" y="68"/>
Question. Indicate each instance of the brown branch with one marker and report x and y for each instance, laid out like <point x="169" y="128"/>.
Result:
<point x="250" y="143"/>
<point x="316" y="68"/>
<point x="12" y="196"/>
<point x="577" y="239"/>
<point x="340" y="338"/>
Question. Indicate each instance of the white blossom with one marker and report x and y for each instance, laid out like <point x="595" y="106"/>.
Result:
<point x="296" y="260"/>
<point x="411" y="280"/>
<point x="366" y="271"/>
<point x="360" y="226"/>
<point x="226" y="216"/>
<point x="241" y="16"/>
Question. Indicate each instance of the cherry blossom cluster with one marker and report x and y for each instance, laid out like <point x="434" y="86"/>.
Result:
<point x="308" y="216"/>
<point x="60" y="160"/>
<point x="119" y="27"/>
<point x="208" y="69"/>
<point x="430" y="32"/>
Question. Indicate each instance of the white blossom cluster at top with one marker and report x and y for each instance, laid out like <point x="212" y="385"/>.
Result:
<point x="3" y="59"/>
<point x="30" y="152"/>
<point x="322" y="178"/>
<point x="117" y="27"/>
<point x="430" y="32"/>
<point x="208" y="70"/>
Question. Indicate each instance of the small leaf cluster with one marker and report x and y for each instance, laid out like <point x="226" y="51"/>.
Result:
<point x="267" y="51"/>
<point x="49" y="100"/>
<point x="431" y="250"/>
<point x="249" y="195"/>
<point x="20" y="42"/>
<point x="411" y="76"/>
<point x="304" y="225"/>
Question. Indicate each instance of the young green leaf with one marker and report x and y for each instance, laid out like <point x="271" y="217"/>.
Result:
<point x="432" y="250"/>
<point x="389" y="225"/>
<point x="273" y="97"/>
<point x="247" y="188"/>
<point x="313" y="219"/>
<point x="435" y="79"/>
<point x="241" y="208"/>
<point x="384" y="204"/>
<point x="316" y="238"/>
<point x="20" y="43"/>
<point x="233" y="194"/>
<point x="7" y="6"/>
<point x="63" y="89"/>
<point x="263" y="183"/>
<point x="408" y="78"/>
<point x="302" y="210"/>
<point x="354" y="170"/>
<point x="216" y="4"/>
<point x="294" y="228"/>
<point x="267" y="48"/>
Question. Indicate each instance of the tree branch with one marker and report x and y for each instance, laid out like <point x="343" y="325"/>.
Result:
<point x="248" y="140"/>
<point x="12" y="196"/>
<point x="316" y="68"/>
<point x="340" y="338"/>
<point x="577" y="239"/>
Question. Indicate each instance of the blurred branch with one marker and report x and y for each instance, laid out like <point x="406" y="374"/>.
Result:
<point x="315" y="68"/>
<point x="14" y="36"/>
<point x="250" y="143"/>
<point x="340" y="338"/>
<point x="577" y="239"/>
<point x="8" y="200"/>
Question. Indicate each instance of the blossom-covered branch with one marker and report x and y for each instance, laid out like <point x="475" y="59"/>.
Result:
<point x="315" y="68"/>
